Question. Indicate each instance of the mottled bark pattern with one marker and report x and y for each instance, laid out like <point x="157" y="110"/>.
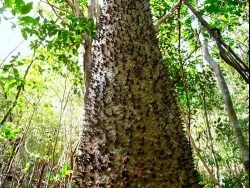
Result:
<point x="133" y="135"/>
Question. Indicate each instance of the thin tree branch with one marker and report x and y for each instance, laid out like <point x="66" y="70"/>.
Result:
<point x="241" y="142"/>
<point x="75" y="7"/>
<point x="72" y="6"/>
<point x="53" y="9"/>
<point x="11" y="53"/>
<point x="216" y="182"/>
<point x="17" y="95"/>
<point x="167" y="15"/>
<point x="226" y="53"/>
<point x="204" y="104"/>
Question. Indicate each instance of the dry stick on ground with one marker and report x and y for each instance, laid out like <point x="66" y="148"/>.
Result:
<point x="226" y="53"/>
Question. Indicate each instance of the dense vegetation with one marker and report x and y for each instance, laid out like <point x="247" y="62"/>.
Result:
<point x="41" y="95"/>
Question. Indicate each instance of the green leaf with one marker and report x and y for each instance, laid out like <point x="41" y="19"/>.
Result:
<point x="29" y="20"/>
<point x="64" y="36"/>
<point x="27" y="166"/>
<point x="223" y="18"/>
<point x="75" y="52"/>
<point x="6" y="79"/>
<point x="8" y="3"/>
<point x="65" y="171"/>
<point x="19" y="3"/>
<point x="41" y="57"/>
<point x="7" y="67"/>
<point x="20" y="63"/>
<point x="25" y="9"/>
<point x="52" y="30"/>
<point x="212" y="9"/>
<point x="10" y="131"/>
<point x="24" y="34"/>
<point x="15" y="72"/>
<point x="3" y="106"/>
<point x="10" y="86"/>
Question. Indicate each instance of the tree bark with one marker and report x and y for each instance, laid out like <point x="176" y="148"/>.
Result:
<point x="133" y="135"/>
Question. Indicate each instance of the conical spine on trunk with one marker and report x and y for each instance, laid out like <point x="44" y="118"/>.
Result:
<point x="133" y="135"/>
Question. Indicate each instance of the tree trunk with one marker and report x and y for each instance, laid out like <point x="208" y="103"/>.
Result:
<point x="133" y="134"/>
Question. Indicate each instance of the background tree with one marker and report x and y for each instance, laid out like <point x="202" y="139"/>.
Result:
<point x="197" y="79"/>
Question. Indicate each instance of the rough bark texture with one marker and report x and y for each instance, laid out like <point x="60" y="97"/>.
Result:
<point x="133" y="134"/>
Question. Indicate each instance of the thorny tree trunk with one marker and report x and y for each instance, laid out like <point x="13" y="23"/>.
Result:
<point x="92" y="13"/>
<point x="133" y="134"/>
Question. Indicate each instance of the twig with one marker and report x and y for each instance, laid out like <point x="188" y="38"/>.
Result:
<point x="204" y="104"/>
<point x="74" y="7"/>
<point x="41" y="175"/>
<point x="216" y="182"/>
<point x="17" y="95"/>
<point x="167" y="15"/>
<point x="11" y="53"/>
<point x="53" y="9"/>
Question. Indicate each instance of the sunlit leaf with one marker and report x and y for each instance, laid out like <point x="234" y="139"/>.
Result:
<point x="29" y="20"/>
<point x="212" y="8"/>
<point x="24" y="34"/>
<point x="25" y="9"/>
<point x="19" y="3"/>
<point x="8" y="3"/>
<point x="15" y="72"/>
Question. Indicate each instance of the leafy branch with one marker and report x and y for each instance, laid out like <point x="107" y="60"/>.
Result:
<point x="20" y="88"/>
<point x="168" y="14"/>
<point x="226" y="52"/>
